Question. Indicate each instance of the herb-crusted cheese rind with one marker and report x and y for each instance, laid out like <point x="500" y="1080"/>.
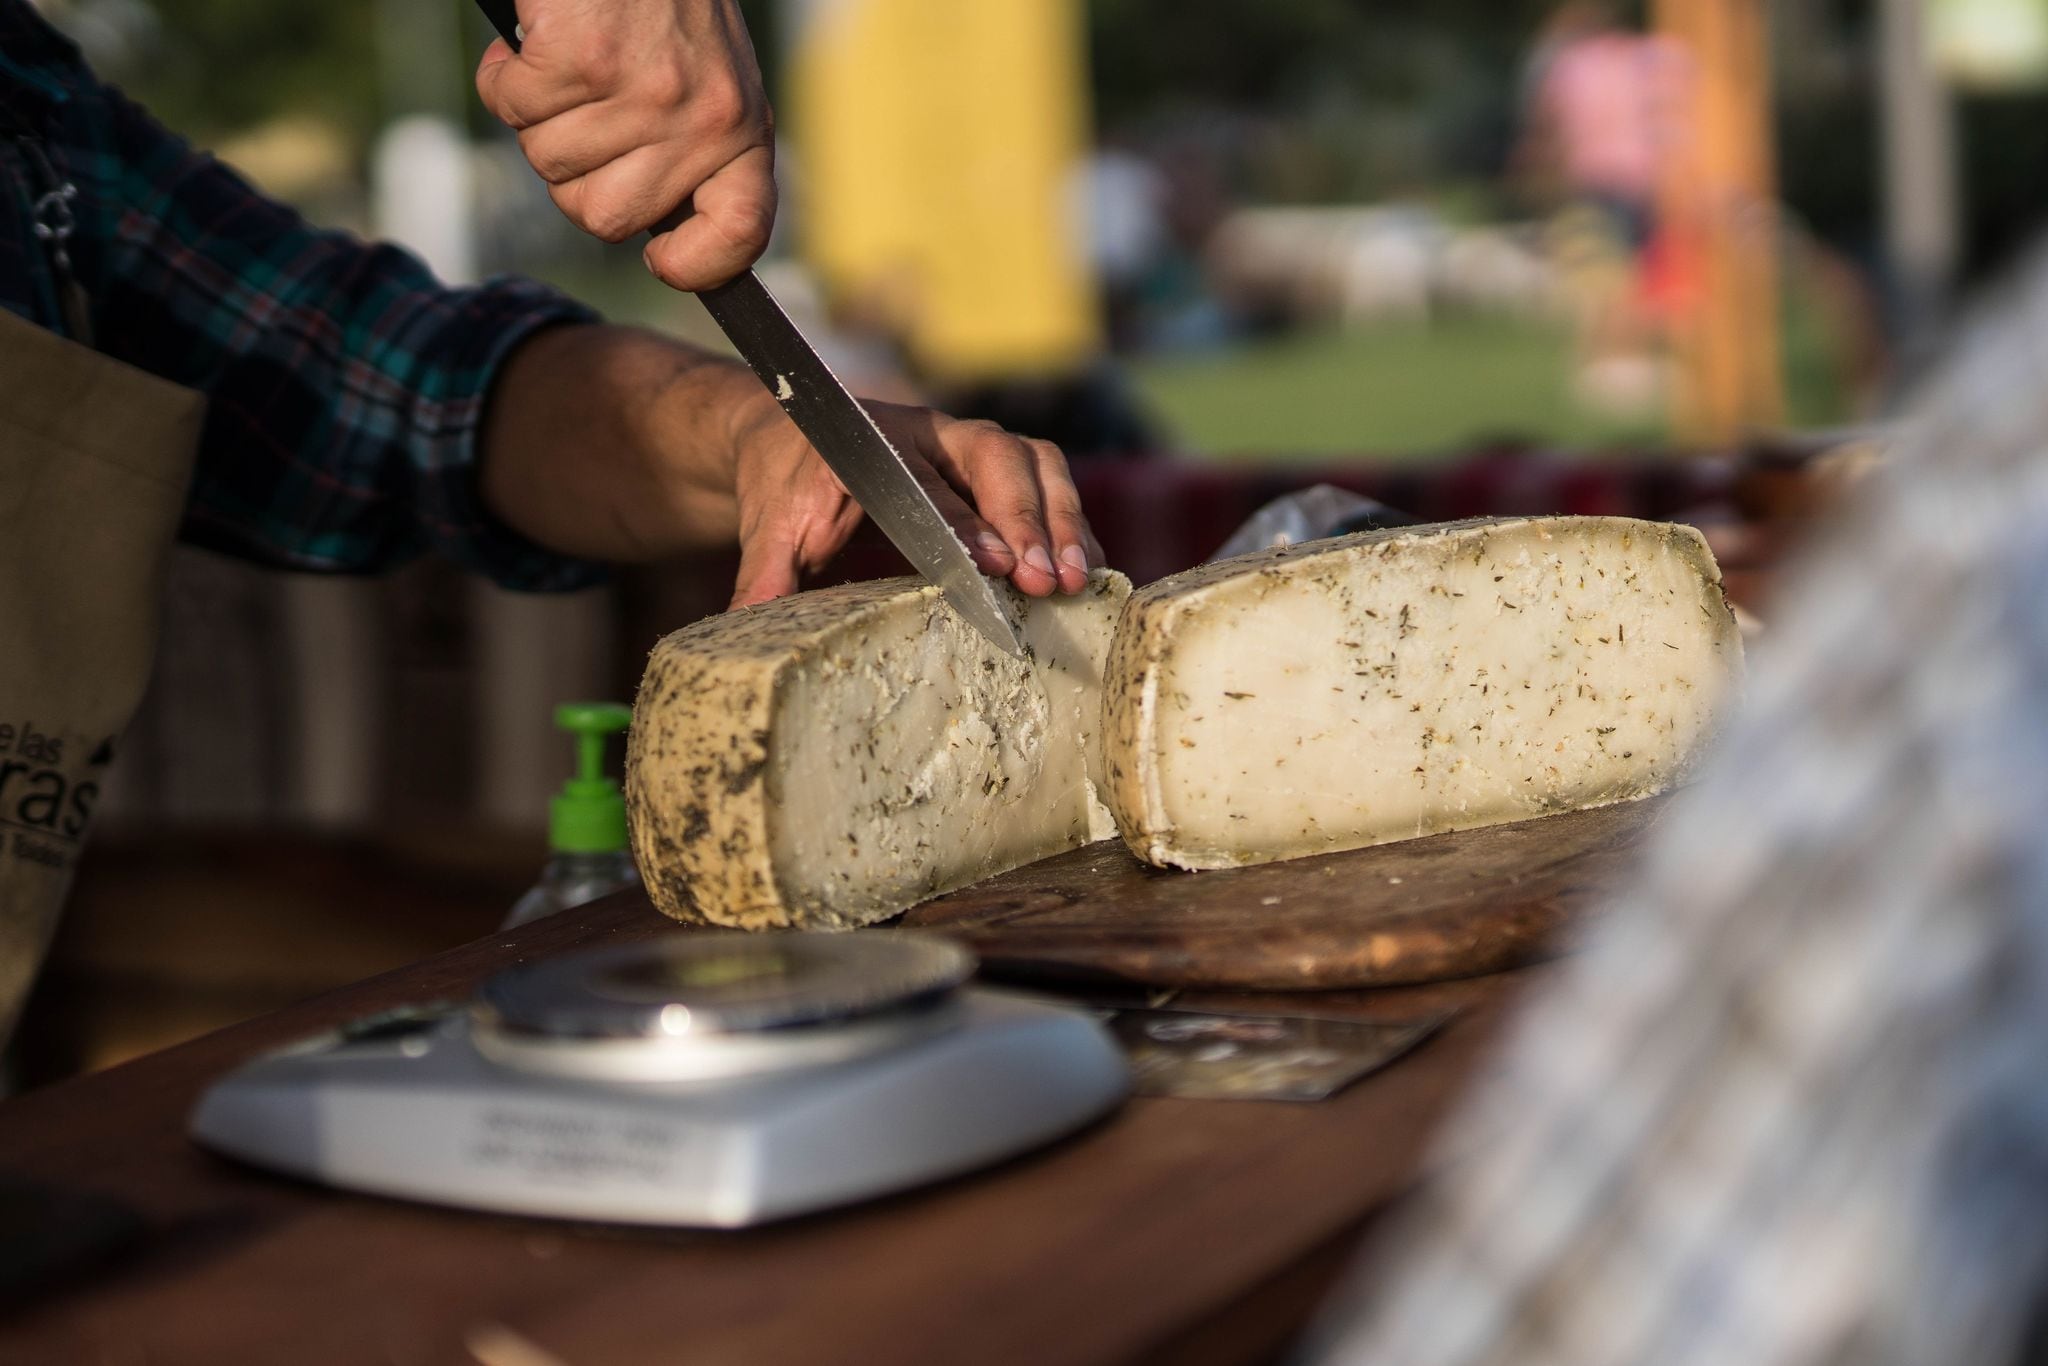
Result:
<point x="835" y="757"/>
<point x="1398" y="683"/>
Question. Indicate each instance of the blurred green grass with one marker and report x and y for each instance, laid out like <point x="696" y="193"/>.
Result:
<point x="1396" y="391"/>
<point x="1418" y="391"/>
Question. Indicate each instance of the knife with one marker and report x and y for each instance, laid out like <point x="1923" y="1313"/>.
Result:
<point x="840" y="430"/>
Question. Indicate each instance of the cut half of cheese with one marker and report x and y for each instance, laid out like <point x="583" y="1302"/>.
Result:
<point x="835" y="757"/>
<point x="1398" y="683"/>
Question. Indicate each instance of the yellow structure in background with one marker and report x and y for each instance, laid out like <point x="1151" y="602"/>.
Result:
<point x="936" y="142"/>
<point x="1718" y="201"/>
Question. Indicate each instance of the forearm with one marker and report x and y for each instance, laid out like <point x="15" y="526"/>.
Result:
<point x="345" y="384"/>
<point x="607" y="443"/>
<point x="617" y="444"/>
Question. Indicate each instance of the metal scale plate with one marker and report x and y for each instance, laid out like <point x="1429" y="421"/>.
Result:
<point x="705" y="1079"/>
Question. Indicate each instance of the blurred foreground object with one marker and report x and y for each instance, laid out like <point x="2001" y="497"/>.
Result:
<point x="1787" y="1109"/>
<point x="937" y="141"/>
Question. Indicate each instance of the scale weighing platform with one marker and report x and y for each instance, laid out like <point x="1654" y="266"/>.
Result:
<point x="708" y="1079"/>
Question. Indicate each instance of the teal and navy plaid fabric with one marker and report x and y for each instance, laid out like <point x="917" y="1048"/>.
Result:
<point x="346" y="385"/>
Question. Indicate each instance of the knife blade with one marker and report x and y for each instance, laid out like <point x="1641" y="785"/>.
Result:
<point x="838" y="427"/>
<point x="842" y="432"/>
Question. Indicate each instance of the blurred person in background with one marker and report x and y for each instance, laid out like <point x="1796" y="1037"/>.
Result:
<point x="1605" y="106"/>
<point x="187" y="359"/>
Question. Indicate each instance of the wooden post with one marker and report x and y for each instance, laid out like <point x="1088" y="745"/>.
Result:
<point x="1920" y="202"/>
<point x="532" y="652"/>
<point x="1718" y="202"/>
<point x="335" y="638"/>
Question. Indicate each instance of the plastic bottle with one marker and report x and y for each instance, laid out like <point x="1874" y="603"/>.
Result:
<point x="589" y="856"/>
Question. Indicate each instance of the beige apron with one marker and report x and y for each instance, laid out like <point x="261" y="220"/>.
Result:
<point x="95" y="461"/>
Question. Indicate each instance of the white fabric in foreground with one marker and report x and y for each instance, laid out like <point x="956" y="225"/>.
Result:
<point x="1791" y="1105"/>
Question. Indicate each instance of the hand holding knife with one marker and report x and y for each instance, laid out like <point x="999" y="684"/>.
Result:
<point x="873" y="471"/>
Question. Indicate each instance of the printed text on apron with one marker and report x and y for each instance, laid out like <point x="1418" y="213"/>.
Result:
<point x="95" y="461"/>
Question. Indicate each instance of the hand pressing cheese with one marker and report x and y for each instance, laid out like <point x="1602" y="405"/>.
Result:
<point x="1400" y="683"/>
<point x="832" y="758"/>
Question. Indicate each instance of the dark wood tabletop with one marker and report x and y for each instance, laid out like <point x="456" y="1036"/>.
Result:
<point x="1175" y="1230"/>
<point x="1460" y="904"/>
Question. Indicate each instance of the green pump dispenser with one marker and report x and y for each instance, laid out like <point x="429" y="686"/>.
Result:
<point x="588" y="816"/>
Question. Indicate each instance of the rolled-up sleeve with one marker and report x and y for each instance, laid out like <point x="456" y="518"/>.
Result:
<point x="347" y="386"/>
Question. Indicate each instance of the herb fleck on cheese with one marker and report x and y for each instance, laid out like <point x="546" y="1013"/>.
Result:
<point x="835" y="757"/>
<point x="1497" y="672"/>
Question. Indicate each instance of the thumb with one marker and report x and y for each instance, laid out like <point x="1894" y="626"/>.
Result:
<point x="769" y="568"/>
<point x="490" y="73"/>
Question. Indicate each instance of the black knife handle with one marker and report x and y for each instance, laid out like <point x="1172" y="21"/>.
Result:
<point x="504" y="17"/>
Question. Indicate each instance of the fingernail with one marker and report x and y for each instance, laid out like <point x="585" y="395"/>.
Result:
<point x="991" y="543"/>
<point x="1038" y="559"/>
<point x="1075" y="558"/>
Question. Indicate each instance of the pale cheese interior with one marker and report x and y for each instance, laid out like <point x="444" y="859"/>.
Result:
<point x="1408" y="683"/>
<point x="909" y="756"/>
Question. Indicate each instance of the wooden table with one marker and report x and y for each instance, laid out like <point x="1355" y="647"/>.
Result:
<point x="1174" y="1231"/>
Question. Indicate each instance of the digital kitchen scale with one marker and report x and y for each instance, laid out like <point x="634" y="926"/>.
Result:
<point x="711" y="1078"/>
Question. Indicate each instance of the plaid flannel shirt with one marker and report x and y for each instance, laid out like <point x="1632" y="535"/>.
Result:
<point x="346" y="386"/>
<point x="1790" y="1107"/>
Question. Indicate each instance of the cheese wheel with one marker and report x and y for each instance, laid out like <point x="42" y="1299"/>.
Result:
<point x="1398" y="683"/>
<point x="834" y="757"/>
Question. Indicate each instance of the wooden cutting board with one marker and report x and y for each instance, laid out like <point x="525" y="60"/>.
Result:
<point x="1424" y="910"/>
